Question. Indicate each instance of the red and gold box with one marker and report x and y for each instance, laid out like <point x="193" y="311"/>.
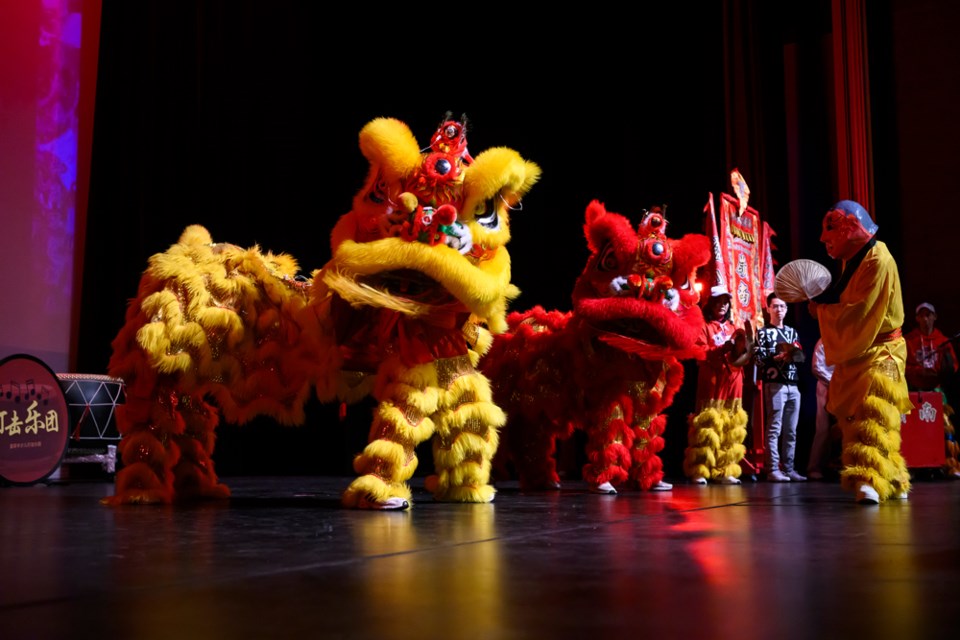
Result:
<point x="922" y="431"/>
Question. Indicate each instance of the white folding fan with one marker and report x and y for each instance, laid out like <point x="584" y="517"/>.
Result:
<point x="801" y="280"/>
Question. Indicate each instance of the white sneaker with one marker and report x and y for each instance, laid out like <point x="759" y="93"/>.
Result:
<point x="903" y="495"/>
<point x="605" y="488"/>
<point x="729" y="480"/>
<point x="662" y="486"/>
<point x="777" y="476"/>
<point x="701" y="480"/>
<point x="796" y="477"/>
<point x="867" y="495"/>
<point x="390" y="504"/>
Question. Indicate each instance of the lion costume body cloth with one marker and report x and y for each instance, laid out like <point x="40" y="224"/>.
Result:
<point x="418" y="281"/>
<point x="609" y="367"/>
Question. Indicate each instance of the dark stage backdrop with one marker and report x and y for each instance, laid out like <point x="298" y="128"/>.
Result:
<point x="244" y="116"/>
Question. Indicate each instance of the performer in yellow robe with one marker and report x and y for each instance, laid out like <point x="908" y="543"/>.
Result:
<point x="860" y="318"/>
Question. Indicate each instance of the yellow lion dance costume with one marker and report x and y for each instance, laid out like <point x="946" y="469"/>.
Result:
<point x="418" y="281"/>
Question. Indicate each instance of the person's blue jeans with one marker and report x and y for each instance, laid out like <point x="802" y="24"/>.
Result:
<point x="781" y="406"/>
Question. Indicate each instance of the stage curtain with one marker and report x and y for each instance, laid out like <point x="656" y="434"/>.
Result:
<point x="852" y="100"/>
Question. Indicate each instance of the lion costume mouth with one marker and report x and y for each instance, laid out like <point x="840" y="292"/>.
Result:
<point x="634" y="329"/>
<point x="406" y="291"/>
<point x="656" y="333"/>
<point x="411" y="285"/>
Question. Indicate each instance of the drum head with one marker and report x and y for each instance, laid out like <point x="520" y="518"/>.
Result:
<point x="34" y="422"/>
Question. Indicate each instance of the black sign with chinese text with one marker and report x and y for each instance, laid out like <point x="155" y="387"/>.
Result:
<point x="34" y="423"/>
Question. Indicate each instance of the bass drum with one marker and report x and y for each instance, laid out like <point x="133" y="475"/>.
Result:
<point x="92" y="401"/>
<point x="34" y="421"/>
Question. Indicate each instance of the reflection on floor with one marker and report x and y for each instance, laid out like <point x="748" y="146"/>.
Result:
<point x="282" y="559"/>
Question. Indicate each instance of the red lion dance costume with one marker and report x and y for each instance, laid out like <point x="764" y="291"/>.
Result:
<point x="418" y="281"/>
<point x="609" y="367"/>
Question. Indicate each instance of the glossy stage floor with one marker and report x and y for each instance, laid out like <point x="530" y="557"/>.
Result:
<point x="282" y="559"/>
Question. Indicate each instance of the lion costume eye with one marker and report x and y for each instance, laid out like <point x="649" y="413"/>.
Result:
<point x="608" y="259"/>
<point x="655" y="252"/>
<point x="378" y="191"/>
<point x="487" y="217"/>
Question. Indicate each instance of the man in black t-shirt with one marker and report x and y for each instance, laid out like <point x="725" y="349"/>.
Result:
<point x="778" y="352"/>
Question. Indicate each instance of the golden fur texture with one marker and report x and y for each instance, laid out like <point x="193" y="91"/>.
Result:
<point x="871" y="439"/>
<point x="418" y="281"/>
<point x="715" y="440"/>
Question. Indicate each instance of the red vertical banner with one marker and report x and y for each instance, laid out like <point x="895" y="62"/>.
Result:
<point x="741" y="237"/>
<point x="719" y="276"/>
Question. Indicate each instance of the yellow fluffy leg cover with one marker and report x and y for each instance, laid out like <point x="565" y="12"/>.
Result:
<point x="703" y="443"/>
<point x="467" y="438"/>
<point x="871" y="442"/>
<point x="715" y="441"/>
<point x="401" y="422"/>
<point x="732" y="448"/>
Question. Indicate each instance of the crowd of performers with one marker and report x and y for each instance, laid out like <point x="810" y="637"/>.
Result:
<point x="873" y="369"/>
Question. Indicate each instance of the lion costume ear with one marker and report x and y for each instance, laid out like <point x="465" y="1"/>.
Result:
<point x="595" y="211"/>
<point x="390" y="148"/>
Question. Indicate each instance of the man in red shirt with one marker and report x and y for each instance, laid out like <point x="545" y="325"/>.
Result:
<point x="931" y="360"/>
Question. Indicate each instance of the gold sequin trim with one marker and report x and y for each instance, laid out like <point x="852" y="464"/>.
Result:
<point x="412" y="415"/>
<point x="449" y="369"/>
<point x="889" y="369"/>
<point x="473" y="425"/>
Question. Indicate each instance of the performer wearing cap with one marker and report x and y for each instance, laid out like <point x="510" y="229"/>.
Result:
<point x="930" y="360"/>
<point x="717" y="431"/>
<point x="860" y="318"/>
<point x="930" y="355"/>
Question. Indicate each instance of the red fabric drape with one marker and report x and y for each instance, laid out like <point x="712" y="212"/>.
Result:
<point x="852" y="100"/>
